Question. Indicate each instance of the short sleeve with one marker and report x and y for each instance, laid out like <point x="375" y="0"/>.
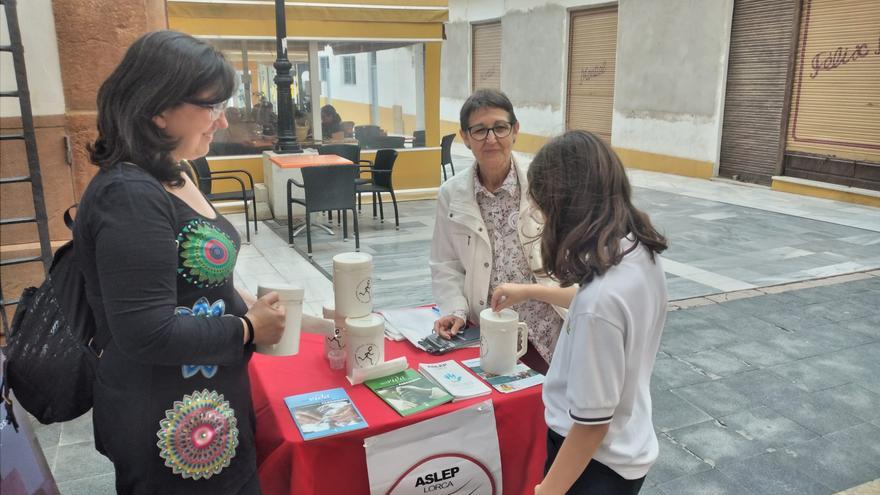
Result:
<point x="597" y="370"/>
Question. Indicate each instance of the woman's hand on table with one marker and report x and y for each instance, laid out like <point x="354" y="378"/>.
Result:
<point x="506" y="295"/>
<point x="448" y="326"/>
<point x="268" y="319"/>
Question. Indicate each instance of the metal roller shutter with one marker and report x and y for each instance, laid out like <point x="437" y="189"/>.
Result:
<point x="487" y="56"/>
<point x="761" y="45"/>
<point x="835" y="103"/>
<point x="591" y="61"/>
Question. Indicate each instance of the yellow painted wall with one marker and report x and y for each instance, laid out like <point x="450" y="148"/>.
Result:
<point x="252" y="165"/>
<point x="413" y="169"/>
<point x="850" y="195"/>
<point x="665" y="163"/>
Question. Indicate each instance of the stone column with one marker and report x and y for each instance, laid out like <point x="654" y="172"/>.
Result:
<point x="92" y="38"/>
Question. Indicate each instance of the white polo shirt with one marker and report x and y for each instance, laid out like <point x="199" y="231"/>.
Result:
<point x="601" y="368"/>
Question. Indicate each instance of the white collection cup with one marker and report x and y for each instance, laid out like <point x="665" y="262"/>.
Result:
<point x="503" y="340"/>
<point x="353" y="284"/>
<point x="291" y="297"/>
<point x="364" y="341"/>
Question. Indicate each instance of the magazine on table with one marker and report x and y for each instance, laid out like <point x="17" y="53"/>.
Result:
<point x="520" y="378"/>
<point x="324" y="413"/>
<point x="408" y="392"/>
<point x="452" y="376"/>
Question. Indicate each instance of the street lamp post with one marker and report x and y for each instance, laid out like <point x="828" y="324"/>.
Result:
<point x="286" y="142"/>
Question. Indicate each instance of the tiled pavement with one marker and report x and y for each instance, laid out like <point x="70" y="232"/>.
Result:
<point x="771" y="394"/>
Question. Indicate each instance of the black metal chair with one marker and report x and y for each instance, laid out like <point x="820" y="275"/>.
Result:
<point x="389" y="142"/>
<point x="206" y="179"/>
<point x="379" y="182"/>
<point x="418" y="139"/>
<point x="326" y="188"/>
<point x="446" y="153"/>
<point x="367" y="134"/>
<point x="350" y="152"/>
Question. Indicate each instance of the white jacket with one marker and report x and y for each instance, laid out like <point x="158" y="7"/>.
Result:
<point x="461" y="253"/>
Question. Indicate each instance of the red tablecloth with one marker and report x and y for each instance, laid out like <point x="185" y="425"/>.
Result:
<point x="337" y="464"/>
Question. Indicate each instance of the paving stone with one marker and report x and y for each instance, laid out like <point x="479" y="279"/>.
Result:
<point x="758" y="354"/>
<point x="684" y="342"/>
<point x="763" y="387"/>
<point x="80" y="460"/>
<point x="47" y="435"/>
<point x="816" y="415"/>
<point x="767" y="474"/>
<point x="792" y="319"/>
<point x="712" y="482"/>
<point x="651" y="490"/>
<point x="798" y="345"/>
<point x="833" y="465"/>
<point x="674" y="461"/>
<point x="77" y="430"/>
<point x="862" y="440"/>
<point x="837" y="335"/>
<point x="767" y="427"/>
<point x="717" y="444"/>
<point x="104" y="484"/>
<point x="856" y="400"/>
<point x="718" y="363"/>
<point x="716" y="398"/>
<point x="677" y="373"/>
<point x="671" y="411"/>
<point x="811" y="374"/>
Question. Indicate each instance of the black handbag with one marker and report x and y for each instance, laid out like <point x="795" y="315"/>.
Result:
<point x="53" y="346"/>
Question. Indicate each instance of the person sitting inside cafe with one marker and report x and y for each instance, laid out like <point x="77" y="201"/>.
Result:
<point x="331" y="124"/>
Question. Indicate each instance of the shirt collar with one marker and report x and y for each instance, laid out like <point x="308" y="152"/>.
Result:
<point x="510" y="184"/>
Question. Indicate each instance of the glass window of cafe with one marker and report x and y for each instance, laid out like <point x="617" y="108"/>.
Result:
<point x="370" y="95"/>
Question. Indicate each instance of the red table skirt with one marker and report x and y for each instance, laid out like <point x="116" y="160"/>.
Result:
<point x="337" y="464"/>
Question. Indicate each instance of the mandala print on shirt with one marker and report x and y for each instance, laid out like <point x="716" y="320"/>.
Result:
<point x="198" y="437"/>
<point x="207" y="254"/>
<point x="201" y="309"/>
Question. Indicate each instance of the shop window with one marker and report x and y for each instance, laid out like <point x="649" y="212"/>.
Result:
<point x="325" y="68"/>
<point x="349" y="74"/>
<point x="380" y="107"/>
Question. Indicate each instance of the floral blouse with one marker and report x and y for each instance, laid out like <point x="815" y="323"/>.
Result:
<point x="500" y="212"/>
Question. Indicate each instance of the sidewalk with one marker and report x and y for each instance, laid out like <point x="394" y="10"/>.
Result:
<point x="760" y="388"/>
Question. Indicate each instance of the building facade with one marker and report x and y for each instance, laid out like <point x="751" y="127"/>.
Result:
<point x="778" y="93"/>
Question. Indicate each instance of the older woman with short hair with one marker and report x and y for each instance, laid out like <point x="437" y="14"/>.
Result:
<point x="487" y="228"/>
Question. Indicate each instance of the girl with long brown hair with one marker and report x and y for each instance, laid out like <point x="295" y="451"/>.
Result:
<point x="603" y="252"/>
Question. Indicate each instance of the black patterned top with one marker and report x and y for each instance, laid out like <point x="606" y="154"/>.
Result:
<point x="172" y="401"/>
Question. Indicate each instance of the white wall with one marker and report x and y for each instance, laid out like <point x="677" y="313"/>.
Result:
<point x="37" y="26"/>
<point x="534" y="48"/>
<point x="397" y="78"/>
<point x="671" y="74"/>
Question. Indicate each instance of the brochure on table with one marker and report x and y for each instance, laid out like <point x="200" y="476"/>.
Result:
<point x="452" y="376"/>
<point x="520" y="378"/>
<point x="412" y="324"/>
<point x="324" y="413"/>
<point x="408" y="392"/>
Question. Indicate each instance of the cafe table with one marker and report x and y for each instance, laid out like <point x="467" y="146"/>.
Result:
<point x="337" y="464"/>
<point x="278" y="168"/>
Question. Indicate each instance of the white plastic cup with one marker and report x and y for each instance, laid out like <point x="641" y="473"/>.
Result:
<point x="364" y="341"/>
<point x="353" y="284"/>
<point x="337" y="359"/>
<point x="291" y="297"/>
<point x="335" y="342"/>
<point x="503" y="340"/>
